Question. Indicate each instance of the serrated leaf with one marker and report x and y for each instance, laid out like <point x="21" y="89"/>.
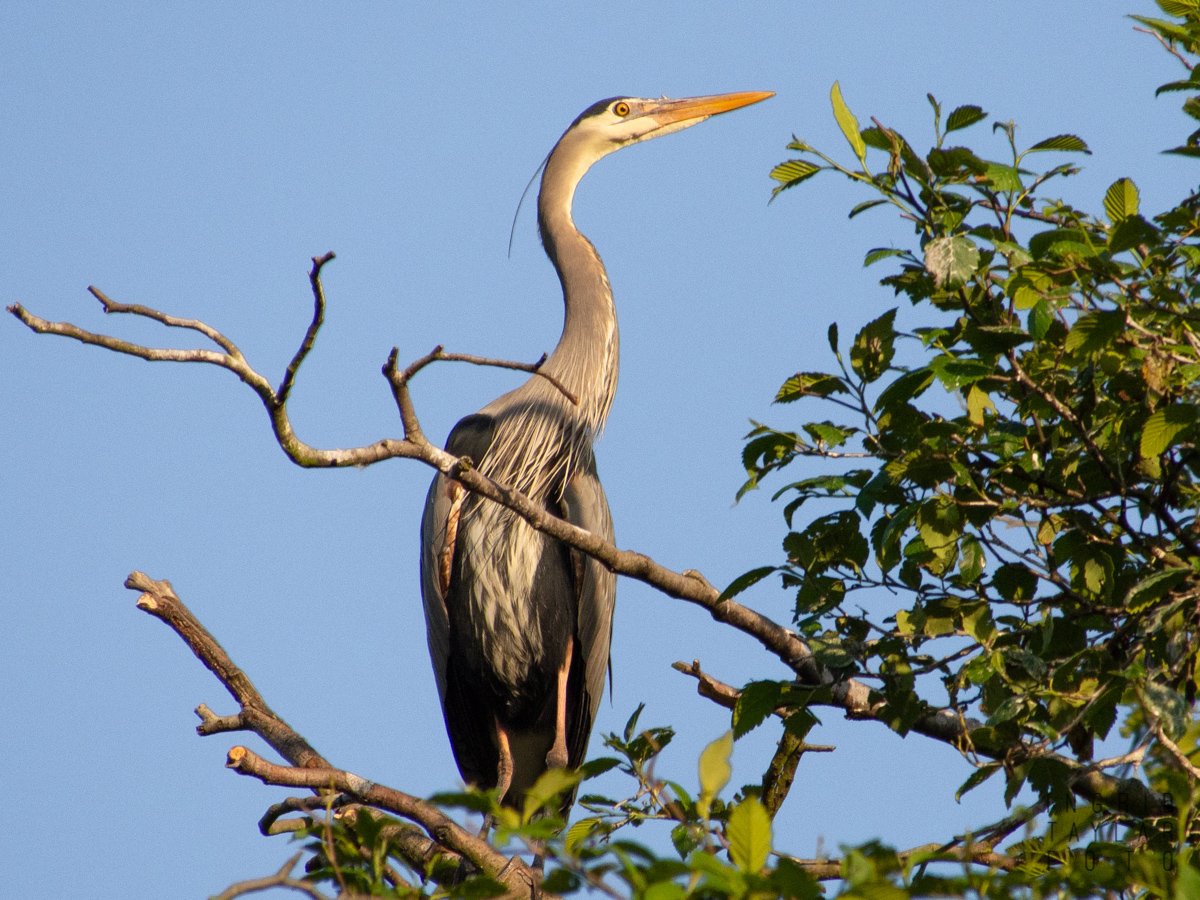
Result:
<point x="1121" y="200"/>
<point x="757" y="701"/>
<point x="578" y="833"/>
<point x="951" y="260"/>
<point x="792" y="173"/>
<point x="847" y="123"/>
<point x="749" y="834"/>
<point x="744" y="581"/>
<point x="964" y="117"/>
<point x="1162" y="428"/>
<point x="879" y="253"/>
<point x="714" y="769"/>
<point x="1095" y="331"/>
<point x="1068" y="142"/>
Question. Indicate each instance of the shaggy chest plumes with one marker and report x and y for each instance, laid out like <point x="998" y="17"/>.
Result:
<point x="519" y="606"/>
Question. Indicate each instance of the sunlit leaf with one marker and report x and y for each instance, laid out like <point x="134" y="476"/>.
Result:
<point x="1162" y="428"/>
<point x="847" y="123"/>
<point x="1121" y="200"/>
<point x="715" y="769"/>
<point x="1067" y="142"/>
<point x="749" y="835"/>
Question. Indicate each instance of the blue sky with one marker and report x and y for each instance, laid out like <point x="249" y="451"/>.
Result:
<point x="194" y="157"/>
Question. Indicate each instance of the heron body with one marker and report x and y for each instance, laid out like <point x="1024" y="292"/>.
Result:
<point x="518" y="623"/>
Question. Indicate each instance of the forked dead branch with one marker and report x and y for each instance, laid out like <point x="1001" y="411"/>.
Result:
<point x="851" y="695"/>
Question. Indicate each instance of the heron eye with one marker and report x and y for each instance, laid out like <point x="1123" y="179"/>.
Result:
<point x="621" y="109"/>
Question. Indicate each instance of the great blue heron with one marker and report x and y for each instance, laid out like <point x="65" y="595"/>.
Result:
<point x="518" y="623"/>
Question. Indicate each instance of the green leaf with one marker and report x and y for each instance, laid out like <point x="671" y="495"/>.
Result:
<point x="907" y="387"/>
<point x="1095" y="331"/>
<point x="664" y="890"/>
<point x="951" y="260"/>
<point x="864" y="206"/>
<point x="757" y="701"/>
<point x="873" y="347"/>
<point x="1148" y="590"/>
<point x="1169" y="706"/>
<point x="1132" y="231"/>
<point x="1162" y="428"/>
<point x="879" y="253"/>
<point x="848" y="123"/>
<point x="1121" y="200"/>
<point x="1004" y="178"/>
<point x="749" y="835"/>
<point x="744" y="581"/>
<point x="955" y="373"/>
<point x="1041" y="317"/>
<point x="550" y="785"/>
<point x="792" y="173"/>
<point x="977" y="402"/>
<point x="964" y="117"/>
<point x="833" y="337"/>
<point x="971" y="559"/>
<point x="978" y="777"/>
<point x="714" y="770"/>
<point x="1068" y="142"/>
<point x="810" y="384"/>
<point x="794" y="883"/>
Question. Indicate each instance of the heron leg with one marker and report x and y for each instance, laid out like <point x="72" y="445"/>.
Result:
<point x="557" y="757"/>
<point x="456" y="493"/>
<point x="504" y="767"/>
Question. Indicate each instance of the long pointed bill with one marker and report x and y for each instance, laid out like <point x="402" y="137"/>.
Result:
<point x="692" y="110"/>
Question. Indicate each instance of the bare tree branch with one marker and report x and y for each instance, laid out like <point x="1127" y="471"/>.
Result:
<point x="160" y="600"/>
<point x="282" y="878"/>
<point x="855" y="697"/>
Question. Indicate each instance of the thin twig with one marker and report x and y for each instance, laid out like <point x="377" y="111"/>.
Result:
<point x="159" y="599"/>
<point x="1169" y="47"/>
<point x="310" y="336"/>
<point x="1173" y="749"/>
<point x="282" y="878"/>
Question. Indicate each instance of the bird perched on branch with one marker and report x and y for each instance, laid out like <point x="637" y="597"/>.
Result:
<point x="518" y="623"/>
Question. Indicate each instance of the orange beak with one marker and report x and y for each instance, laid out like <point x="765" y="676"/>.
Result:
<point x="667" y="112"/>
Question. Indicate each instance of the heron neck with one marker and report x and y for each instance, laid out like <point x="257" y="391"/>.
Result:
<point x="586" y="357"/>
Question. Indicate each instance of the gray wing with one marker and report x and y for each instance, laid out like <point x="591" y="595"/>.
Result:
<point x="472" y="437"/>
<point x="584" y="504"/>
<point x="433" y="542"/>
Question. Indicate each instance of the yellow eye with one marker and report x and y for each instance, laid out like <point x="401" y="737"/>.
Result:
<point x="621" y="109"/>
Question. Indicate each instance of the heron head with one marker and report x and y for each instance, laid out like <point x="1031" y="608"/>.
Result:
<point x="620" y="121"/>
